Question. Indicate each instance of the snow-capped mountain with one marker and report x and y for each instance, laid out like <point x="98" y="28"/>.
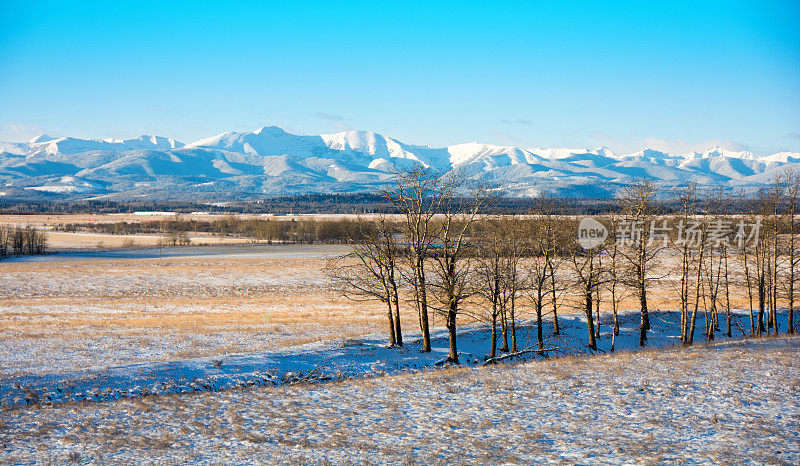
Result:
<point x="44" y="144"/>
<point x="271" y="161"/>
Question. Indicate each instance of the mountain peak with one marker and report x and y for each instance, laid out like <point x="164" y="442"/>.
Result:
<point x="41" y="138"/>
<point x="648" y="152"/>
<point x="604" y="151"/>
<point x="271" y="130"/>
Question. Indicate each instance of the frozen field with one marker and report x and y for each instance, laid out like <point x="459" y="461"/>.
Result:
<point x="214" y="355"/>
<point x="329" y="359"/>
<point x="252" y="251"/>
<point x="207" y="319"/>
<point x="103" y="309"/>
<point x="736" y="402"/>
<point x="58" y="316"/>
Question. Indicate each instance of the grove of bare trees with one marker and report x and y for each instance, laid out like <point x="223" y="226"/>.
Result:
<point x="441" y="258"/>
<point x="22" y="241"/>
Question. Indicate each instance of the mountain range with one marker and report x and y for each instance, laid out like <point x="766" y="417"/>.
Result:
<point x="244" y="165"/>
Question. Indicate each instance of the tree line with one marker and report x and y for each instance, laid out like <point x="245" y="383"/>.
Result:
<point x="270" y="230"/>
<point x="347" y="203"/>
<point x="444" y="259"/>
<point x="20" y="241"/>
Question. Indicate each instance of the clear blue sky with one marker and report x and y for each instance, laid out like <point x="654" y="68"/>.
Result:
<point x="671" y="75"/>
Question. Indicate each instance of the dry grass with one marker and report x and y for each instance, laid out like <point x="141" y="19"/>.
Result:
<point x="112" y="312"/>
<point x="203" y="306"/>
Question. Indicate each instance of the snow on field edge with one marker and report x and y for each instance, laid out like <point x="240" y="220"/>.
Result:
<point x="335" y="360"/>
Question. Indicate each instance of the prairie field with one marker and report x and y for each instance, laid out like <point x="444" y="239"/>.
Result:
<point x="240" y="351"/>
<point x="70" y="313"/>
<point x="94" y="313"/>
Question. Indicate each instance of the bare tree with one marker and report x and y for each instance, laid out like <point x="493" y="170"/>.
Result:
<point x="513" y="282"/>
<point x="696" y="237"/>
<point x="418" y="193"/>
<point x="745" y="257"/>
<point x="543" y="284"/>
<point x="766" y="257"/>
<point x="613" y="263"/>
<point x="498" y="279"/>
<point x="452" y="261"/>
<point x="717" y="279"/>
<point x="588" y="280"/>
<point x="548" y="239"/>
<point x="792" y="194"/>
<point x="370" y="271"/>
<point x="638" y="202"/>
<point x="687" y="201"/>
<point x="775" y="226"/>
<point x="489" y="275"/>
<point x="27" y="240"/>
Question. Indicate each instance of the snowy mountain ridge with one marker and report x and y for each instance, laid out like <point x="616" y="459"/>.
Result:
<point x="271" y="161"/>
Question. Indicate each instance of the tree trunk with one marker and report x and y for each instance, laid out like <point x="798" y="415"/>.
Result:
<point x="727" y="295"/>
<point x="493" y="348"/>
<point x="556" y="328"/>
<point x="793" y="188"/>
<point x="615" y="332"/>
<point x="589" y="320"/>
<point x="539" y="336"/>
<point x="451" y="333"/>
<point x="768" y="298"/>
<point x="398" y="332"/>
<point x="390" y="314"/>
<point x="423" y="306"/>
<point x="775" y="279"/>
<point x="761" y="305"/>
<point x="709" y="322"/>
<point x="749" y="283"/>
<point x="613" y="341"/>
<point x="642" y="276"/>
<point x="614" y="304"/>
<point x="698" y="285"/>
<point x="790" y="330"/>
<point x="790" y="317"/>
<point x="712" y="295"/>
<point x="684" y="291"/>
<point x="504" y="334"/>
<point x="503" y="326"/>
<point x="392" y="339"/>
<point x="597" y="312"/>
<point x="513" y="323"/>
<point x="644" y="323"/>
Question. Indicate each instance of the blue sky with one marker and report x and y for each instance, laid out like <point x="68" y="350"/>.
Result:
<point x="669" y="75"/>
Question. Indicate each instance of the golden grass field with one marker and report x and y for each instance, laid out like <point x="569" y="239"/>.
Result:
<point x="137" y="310"/>
<point x="121" y="311"/>
<point x="175" y="307"/>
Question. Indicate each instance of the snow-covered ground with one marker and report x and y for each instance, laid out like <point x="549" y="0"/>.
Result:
<point x="733" y="402"/>
<point x="252" y="251"/>
<point x="104" y="359"/>
<point x="96" y="314"/>
<point x="323" y="360"/>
